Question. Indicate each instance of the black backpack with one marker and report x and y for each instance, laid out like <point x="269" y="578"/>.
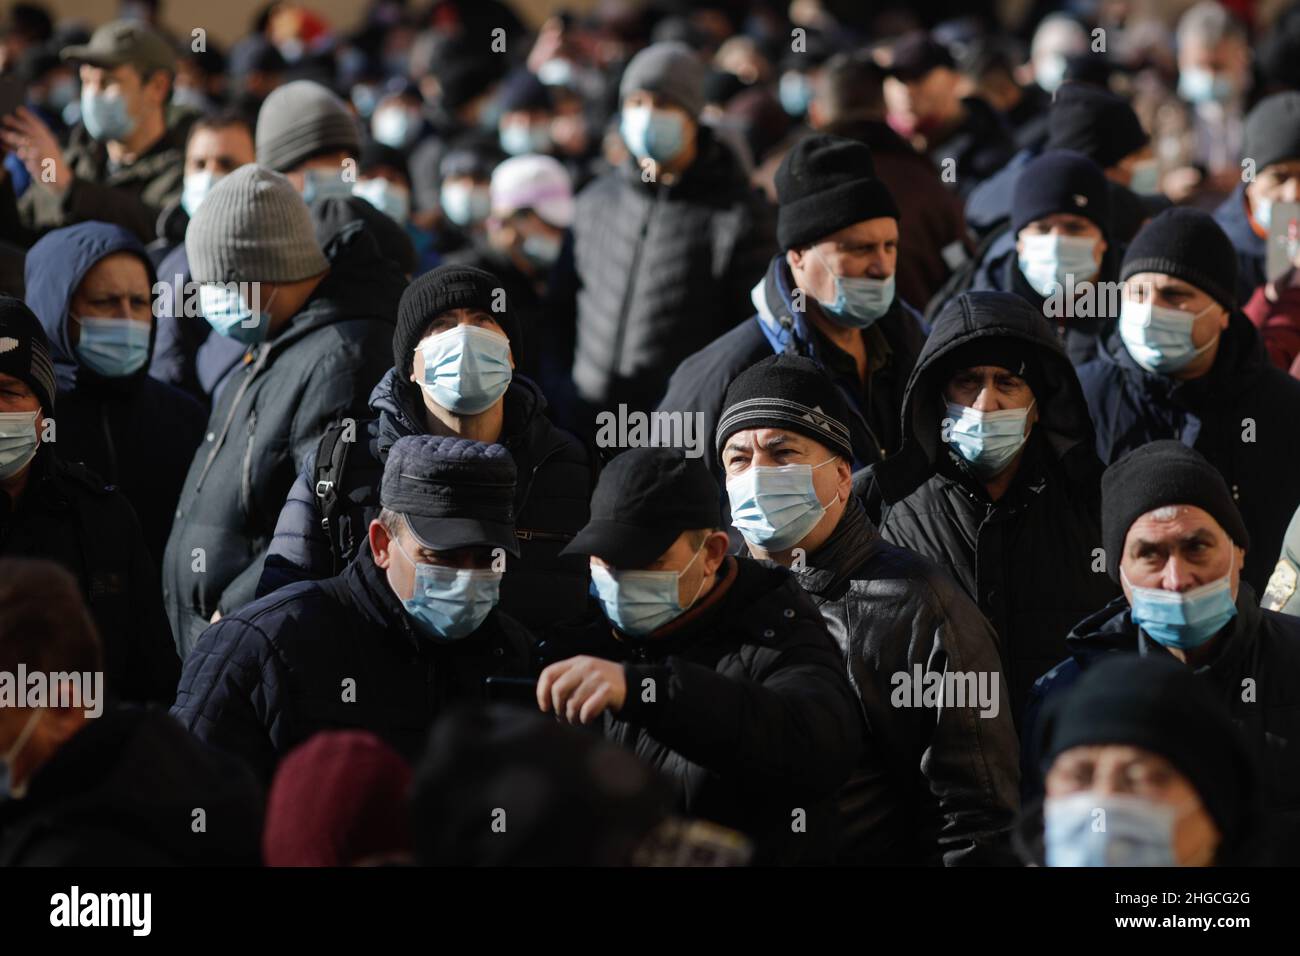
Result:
<point x="327" y="485"/>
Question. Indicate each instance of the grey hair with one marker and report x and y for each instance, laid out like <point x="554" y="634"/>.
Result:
<point x="1210" y="24"/>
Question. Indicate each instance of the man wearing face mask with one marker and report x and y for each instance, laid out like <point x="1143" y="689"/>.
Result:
<point x="1057" y="255"/>
<point x="97" y="783"/>
<point x="1149" y="745"/>
<point x="122" y="163"/>
<point x="1271" y="144"/>
<point x="716" y="670"/>
<point x="453" y="374"/>
<point x="784" y="448"/>
<point x="406" y="630"/>
<point x="91" y="287"/>
<point x="54" y="509"/>
<point x="186" y="352"/>
<point x="828" y="296"/>
<point x="998" y="480"/>
<point x="1176" y="542"/>
<point x="464" y="198"/>
<point x="1185" y="363"/>
<point x="667" y="246"/>
<point x="315" y="329"/>
<point x="307" y="133"/>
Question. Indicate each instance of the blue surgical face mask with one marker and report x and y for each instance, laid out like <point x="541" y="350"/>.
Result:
<point x="115" y="348"/>
<point x="465" y="205"/>
<point x="859" y="301"/>
<point x="1047" y="260"/>
<point x="395" y="127"/>
<point x="774" y="507"/>
<point x="226" y="311"/>
<point x="322" y="184"/>
<point x="389" y="198"/>
<point x="988" y="441"/>
<point x="519" y="139"/>
<point x="659" y="135"/>
<point x="364" y="98"/>
<point x="105" y="116"/>
<point x="466" y="369"/>
<point x="450" y="603"/>
<point x="17" y="442"/>
<point x="1088" y="828"/>
<point x="1262" y="212"/>
<point x="1183" y="619"/>
<point x="1049" y="71"/>
<point x="1159" y="339"/>
<point x="795" y="92"/>
<point x="62" y="93"/>
<point x="1198" y="85"/>
<point x="639" y="602"/>
<point x="541" y="251"/>
<point x="195" y="190"/>
<point x="1145" y="179"/>
<point x="8" y="789"/>
<point x="557" y="72"/>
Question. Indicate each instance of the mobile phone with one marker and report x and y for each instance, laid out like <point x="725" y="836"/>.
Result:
<point x="13" y="93"/>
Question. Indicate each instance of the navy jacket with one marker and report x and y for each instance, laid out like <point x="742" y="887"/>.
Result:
<point x="1241" y="416"/>
<point x="334" y="654"/>
<point x="1252" y="250"/>
<point x="135" y="432"/>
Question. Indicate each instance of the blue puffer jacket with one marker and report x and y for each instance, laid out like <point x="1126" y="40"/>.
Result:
<point x="135" y="432"/>
<point x="1241" y="416"/>
<point x="1252" y="249"/>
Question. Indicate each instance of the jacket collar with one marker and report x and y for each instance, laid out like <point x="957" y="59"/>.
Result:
<point x="849" y="546"/>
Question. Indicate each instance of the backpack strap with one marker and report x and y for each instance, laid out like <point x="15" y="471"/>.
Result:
<point x="331" y="455"/>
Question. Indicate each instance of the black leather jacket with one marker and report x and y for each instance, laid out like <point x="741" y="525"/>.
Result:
<point x="934" y="784"/>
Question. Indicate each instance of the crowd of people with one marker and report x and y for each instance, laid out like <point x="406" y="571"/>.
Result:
<point x="694" y="434"/>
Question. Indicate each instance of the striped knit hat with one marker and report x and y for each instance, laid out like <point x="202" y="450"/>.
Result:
<point x="253" y="227"/>
<point x="25" y="351"/>
<point x="790" y="392"/>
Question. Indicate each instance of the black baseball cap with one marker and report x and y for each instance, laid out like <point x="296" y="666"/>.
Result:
<point x="453" y="492"/>
<point x="644" y="499"/>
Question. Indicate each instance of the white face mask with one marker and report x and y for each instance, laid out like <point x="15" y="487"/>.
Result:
<point x="1049" y="260"/>
<point x="1160" y="339"/>
<point x="17" y="442"/>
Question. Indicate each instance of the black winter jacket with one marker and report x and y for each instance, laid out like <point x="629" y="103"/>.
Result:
<point x="69" y="516"/>
<point x="317" y="369"/>
<point x="663" y="270"/>
<point x="751" y="712"/>
<point x="1030" y="559"/>
<point x="334" y="654"/>
<point x="122" y="791"/>
<point x="551" y="503"/>
<point x="1256" y="670"/>
<point x="1241" y="416"/>
<point x="933" y="785"/>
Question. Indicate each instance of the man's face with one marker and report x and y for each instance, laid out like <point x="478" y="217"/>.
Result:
<point x="1132" y="771"/>
<point x="711" y="548"/>
<point x="16" y="396"/>
<point x="1276" y="182"/>
<point x="774" y="447"/>
<point x="867" y="248"/>
<point x="116" y="287"/>
<point x="1229" y="57"/>
<point x="1171" y="293"/>
<point x="219" y="151"/>
<point x="1065" y="224"/>
<point x="449" y="320"/>
<point x="399" y="555"/>
<point x="1122" y="171"/>
<point x="140" y="96"/>
<point x="659" y="103"/>
<point x="991" y="388"/>
<point x="926" y="101"/>
<point x="1177" y="548"/>
<point x="509" y="232"/>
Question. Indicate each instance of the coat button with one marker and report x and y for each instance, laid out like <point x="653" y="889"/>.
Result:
<point x="212" y="436"/>
<point x="788" y="612"/>
<point x="769" y="633"/>
<point x="498" y="651"/>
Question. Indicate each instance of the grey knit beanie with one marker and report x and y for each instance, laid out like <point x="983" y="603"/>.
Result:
<point x="300" y="120"/>
<point x="671" y="69"/>
<point x="253" y="227"/>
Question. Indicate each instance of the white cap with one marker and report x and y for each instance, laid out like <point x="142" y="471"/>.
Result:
<point x="540" y="183"/>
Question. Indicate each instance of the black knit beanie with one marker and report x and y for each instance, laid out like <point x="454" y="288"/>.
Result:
<point x="1160" y="705"/>
<point x="1061" y="181"/>
<point x="1094" y="122"/>
<point x="438" y="291"/>
<point x="1188" y="244"/>
<point x="25" y="351"/>
<point x="1272" y="133"/>
<point x="824" y="184"/>
<point x="790" y="392"/>
<point x="1157" y="474"/>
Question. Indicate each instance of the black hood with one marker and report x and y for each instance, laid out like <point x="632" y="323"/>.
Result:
<point x="1063" y="419"/>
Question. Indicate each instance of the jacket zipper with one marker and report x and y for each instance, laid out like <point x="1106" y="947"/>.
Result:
<point x="249" y="376"/>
